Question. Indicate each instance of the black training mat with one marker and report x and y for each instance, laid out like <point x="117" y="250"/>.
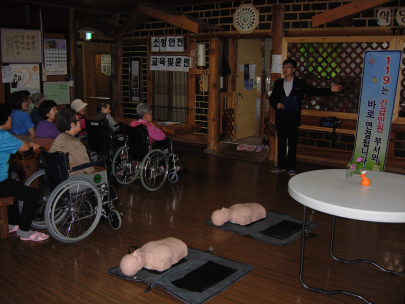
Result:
<point x="195" y="279"/>
<point x="276" y="229"/>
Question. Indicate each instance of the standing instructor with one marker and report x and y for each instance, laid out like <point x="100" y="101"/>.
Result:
<point x="291" y="90"/>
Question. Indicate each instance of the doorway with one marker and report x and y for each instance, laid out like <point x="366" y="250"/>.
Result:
<point x="95" y="64"/>
<point x="248" y="88"/>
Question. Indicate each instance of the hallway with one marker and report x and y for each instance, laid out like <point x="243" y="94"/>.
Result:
<point x="78" y="273"/>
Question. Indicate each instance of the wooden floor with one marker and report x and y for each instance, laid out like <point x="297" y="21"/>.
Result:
<point x="78" y="273"/>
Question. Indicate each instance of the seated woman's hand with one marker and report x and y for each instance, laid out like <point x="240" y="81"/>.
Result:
<point x="33" y="145"/>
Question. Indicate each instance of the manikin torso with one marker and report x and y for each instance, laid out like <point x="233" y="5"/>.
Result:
<point x="157" y="255"/>
<point x="242" y="214"/>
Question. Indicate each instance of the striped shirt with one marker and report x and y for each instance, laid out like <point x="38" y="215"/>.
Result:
<point x="77" y="152"/>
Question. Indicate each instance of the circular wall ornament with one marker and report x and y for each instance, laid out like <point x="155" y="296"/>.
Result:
<point x="246" y="18"/>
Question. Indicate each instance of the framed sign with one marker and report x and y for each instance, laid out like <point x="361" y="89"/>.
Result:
<point x="20" y="46"/>
<point x="135" y="79"/>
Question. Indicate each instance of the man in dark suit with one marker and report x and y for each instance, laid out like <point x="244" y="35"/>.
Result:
<point x="288" y="118"/>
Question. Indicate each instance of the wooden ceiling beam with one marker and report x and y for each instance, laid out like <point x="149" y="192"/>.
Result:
<point x="134" y="19"/>
<point x="176" y="18"/>
<point x="347" y="10"/>
<point x="345" y="22"/>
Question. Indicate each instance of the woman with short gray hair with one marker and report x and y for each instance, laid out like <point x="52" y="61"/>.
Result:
<point x="36" y="99"/>
<point x="144" y="114"/>
<point x="157" y="138"/>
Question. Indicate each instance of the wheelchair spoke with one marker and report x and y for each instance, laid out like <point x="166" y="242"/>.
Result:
<point x="124" y="169"/>
<point x="154" y="170"/>
<point x="74" y="212"/>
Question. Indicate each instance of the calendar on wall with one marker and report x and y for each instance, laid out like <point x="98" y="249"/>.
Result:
<point x="20" y="46"/>
<point x="55" y="56"/>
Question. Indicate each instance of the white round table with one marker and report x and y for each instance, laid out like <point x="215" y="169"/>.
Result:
<point x="329" y="191"/>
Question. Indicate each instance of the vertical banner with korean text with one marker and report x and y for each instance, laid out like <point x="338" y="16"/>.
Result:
<point x="377" y="100"/>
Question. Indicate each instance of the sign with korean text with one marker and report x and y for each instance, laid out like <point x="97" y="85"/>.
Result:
<point x="167" y="44"/>
<point x="170" y="63"/>
<point x="377" y="99"/>
<point x="20" y="46"/>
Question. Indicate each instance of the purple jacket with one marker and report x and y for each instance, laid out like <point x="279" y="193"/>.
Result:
<point x="46" y="129"/>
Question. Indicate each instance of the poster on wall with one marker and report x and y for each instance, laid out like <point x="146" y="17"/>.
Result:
<point x="377" y="100"/>
<point x="106" y="64"/>
<point x="55" y="56"/>
<point x="136" y="79"/>
<point x="20" y="46"/>
<point x="57" y="91"/>
<point x="25" y="77"/>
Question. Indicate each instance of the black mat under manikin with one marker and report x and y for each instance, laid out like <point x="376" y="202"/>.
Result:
<point x="276" y="229"/>
<point x="194" y="279"/>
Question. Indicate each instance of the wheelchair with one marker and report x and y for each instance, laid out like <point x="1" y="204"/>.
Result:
<point x="99" y="141"/>
<point x="70" y="208"/>
<point x="136" y="158"/>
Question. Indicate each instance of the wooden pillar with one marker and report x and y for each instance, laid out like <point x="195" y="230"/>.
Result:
<point x="149" y="77"/>
<point x="191" y="88"/>
<point x="117" y="75"/>
<point x="232" y="59"/>
<point x="213" y="95"/>
<point x="73" y="52"/>
<point x="278" y="25"/>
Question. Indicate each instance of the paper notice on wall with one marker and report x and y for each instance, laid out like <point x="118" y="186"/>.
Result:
<point x="247" y="81"/>
<point x="170" y="63"/>
<point x="276" y="63"/>
<point x="252" y="71"/>
<point x="154" y="44"/>
<point x="154" y="63"/>
<point x="7" y="74"/>
<point x="106" y="64"/>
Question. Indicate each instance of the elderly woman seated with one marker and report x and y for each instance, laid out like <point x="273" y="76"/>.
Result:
<point x="157" y="138"/>
<point x="21" y="123"/>
<point x="144" y="114"/>
<point x="46" y="128"/>
<point x="37" y="99"/>
<point x="68" y="124"/>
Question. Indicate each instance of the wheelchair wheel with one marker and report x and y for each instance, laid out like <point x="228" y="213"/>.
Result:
<point x="73" y="211"/>
<point x="154" y="170"/>
<point x="123" y="169"/>
<point x="109" y="151"/>
<point x="38" y="181"/>
<point x="115" y="220"/>
<point x="173" y="177"/>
